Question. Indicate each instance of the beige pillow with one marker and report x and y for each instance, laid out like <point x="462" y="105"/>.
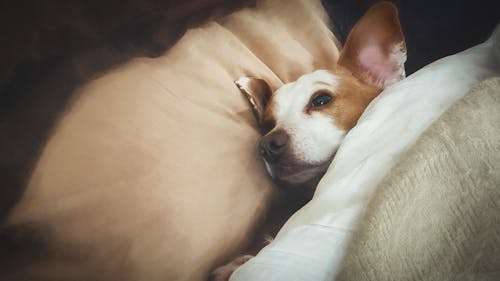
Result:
<point x="153" y="171"/>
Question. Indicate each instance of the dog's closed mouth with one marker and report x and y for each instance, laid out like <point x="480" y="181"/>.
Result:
<point x="296" y="174"/>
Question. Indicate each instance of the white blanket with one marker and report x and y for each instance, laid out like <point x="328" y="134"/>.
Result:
<point x="312" y="244"/>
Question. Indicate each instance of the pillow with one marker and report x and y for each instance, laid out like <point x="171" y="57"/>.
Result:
<point x="153" y="172"/>
<point x="313" y="242"/>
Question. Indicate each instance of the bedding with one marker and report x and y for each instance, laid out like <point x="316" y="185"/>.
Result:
<point x="313" y="242"/>
<point x="152" y="172"/>
<point x="436" y="215"/>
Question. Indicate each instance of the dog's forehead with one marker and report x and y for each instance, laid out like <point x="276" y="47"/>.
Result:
<point x="295" y="96"/>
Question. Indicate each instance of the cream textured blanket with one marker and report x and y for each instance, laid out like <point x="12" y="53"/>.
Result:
<point x="437" y="215"/>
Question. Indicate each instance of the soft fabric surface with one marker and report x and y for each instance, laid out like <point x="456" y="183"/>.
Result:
<point x="436" y="216"/>
<point x="153" y="172"/>
<point x="313" y="242"/>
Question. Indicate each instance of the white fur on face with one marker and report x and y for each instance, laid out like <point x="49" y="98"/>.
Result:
<point x="314" y="138"/>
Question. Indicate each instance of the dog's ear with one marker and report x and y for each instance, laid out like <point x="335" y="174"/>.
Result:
<point x="375" y="49"/>
<point x="258" y="92"/>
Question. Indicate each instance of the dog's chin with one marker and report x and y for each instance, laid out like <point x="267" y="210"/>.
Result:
<point x="301" y="176"/>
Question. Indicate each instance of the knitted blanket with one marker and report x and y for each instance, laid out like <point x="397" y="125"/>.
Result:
<point x="436" y="216"/>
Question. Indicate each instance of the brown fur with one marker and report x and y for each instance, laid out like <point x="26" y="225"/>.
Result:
<point x="380" y="24"/>
<point x="258" y="92"/>
<point x="268" y="120"/>
<point x="351" y="98"/>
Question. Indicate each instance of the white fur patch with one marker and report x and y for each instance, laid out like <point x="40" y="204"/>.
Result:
<point x="398" y="55"/>
<point x="314" y="137"/>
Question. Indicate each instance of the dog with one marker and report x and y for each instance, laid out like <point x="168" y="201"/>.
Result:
<point x="304" y="122"/>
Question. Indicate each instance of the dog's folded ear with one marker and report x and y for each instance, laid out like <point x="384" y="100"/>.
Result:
<point x="375" y="50"/>
<point x="258" y="93"/>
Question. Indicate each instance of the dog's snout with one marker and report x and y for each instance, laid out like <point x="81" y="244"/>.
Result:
<point x="274" y="144"/>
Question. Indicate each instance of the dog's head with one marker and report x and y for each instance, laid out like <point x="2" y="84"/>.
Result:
<point x="304" y="122"/>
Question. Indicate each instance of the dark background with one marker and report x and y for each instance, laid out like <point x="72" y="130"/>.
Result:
<point x="432" y="29"/>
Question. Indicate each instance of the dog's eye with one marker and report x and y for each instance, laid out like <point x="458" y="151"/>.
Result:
<point x="321" y="99"/>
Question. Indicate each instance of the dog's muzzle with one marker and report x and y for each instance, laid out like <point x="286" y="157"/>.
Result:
<point x="273" y="145"/>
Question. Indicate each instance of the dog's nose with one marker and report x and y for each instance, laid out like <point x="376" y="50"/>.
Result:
<point x="273" y="145"/>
